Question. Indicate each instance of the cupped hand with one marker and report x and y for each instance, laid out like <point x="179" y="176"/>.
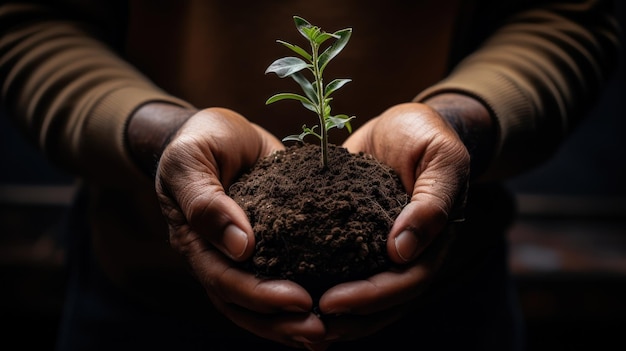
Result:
<point x="205" y="156"/>
<point x="433" y="164"/>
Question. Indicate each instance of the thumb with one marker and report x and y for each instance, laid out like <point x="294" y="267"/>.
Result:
<point x="207" y="216"/>
<point x="415" y="228"/>
<point x="225" y="225"/>
<point x="438" y="194"/>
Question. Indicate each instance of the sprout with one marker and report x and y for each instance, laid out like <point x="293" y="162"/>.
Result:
<point x="316" y="96"/>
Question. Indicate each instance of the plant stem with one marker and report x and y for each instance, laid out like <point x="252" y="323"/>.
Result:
<point x="321" y="104"/>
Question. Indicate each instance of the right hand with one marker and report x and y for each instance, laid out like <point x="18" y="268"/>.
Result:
<point x="434" y="166"/>
<point x="211" y="231"/>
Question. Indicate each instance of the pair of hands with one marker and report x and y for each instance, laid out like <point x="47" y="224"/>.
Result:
<point x="205" y="225"/>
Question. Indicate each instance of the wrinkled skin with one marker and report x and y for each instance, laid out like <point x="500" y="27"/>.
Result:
<point x="213" y="233"/>
<point x="433" y="164"/>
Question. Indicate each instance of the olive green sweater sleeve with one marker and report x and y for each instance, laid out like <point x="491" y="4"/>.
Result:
<point x="538" y="75"/>
<point x="70" y="92"/>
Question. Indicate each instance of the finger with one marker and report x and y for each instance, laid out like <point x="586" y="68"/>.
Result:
<point x="388" y="289"/>
<point x="273" y="309"/>
<point x="212" y="214"/>
<point x="441" y="182"/>
<point x="352" y="327"/>
<point x="377" y="293"/>
<point x="417" y="225"/>
<point x="218" y="218"/>
<point x="195" y="165"/>
<point x="292" y="329"/>
<point x="236" y="286"/>
<point x="188" y="176"/>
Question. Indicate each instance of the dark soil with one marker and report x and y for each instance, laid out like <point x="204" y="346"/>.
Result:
<point x="319" y="226"/>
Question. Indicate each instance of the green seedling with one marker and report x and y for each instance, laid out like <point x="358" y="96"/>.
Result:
<point x="317" y="95"/>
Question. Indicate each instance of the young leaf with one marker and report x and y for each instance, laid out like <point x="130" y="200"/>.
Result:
<point x="311" y="130"/>
<point x="286" y="66"/>
<point x="300" y="137"/>
<point x="302" y="25"/>
<point x="323" y="36"/>
<point x="327" y="108"/>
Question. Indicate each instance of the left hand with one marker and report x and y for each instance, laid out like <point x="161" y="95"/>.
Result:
<point x="433" y="164"/>
<point x="212" y="232"/>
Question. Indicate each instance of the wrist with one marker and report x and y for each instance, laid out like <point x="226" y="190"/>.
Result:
<point x="473" y="123"/>
<point x="150" y="129"/>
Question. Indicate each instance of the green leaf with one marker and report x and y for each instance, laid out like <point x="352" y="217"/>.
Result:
<point x="294" y="137"/>
<point x="334" y="86"/>
<point x="288" y="96"/>
<point x="335" y="49"/>
<point x="286" y="66"/>
<point x="300" y="137"/>
<point x="313" y="32"/>
<point x="339" y="122"/>
<point x="322" y="37"/>
<point x="309" y="31"/>
<point x="306" y="86"/>
<point x="327" y="108"/>
<point x="310" y="131"/>
<point x="298" y="50"/>
<point x="302" y="25"/>
<point x="309" y="106"/>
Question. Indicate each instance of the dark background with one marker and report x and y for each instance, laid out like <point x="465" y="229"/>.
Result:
<point x="568" y="244"/>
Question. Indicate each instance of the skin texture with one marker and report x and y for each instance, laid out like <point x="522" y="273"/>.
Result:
<point x="212" y="231"/>
<point x="212" y="146"/>
<point x="431" y="161"/>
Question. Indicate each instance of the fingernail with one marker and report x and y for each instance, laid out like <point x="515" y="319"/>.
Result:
<point x="406" y="245"/>
<point x="235" y="241"/>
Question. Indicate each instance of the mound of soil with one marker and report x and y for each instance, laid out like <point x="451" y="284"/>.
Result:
<point x="319" y="226"/>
